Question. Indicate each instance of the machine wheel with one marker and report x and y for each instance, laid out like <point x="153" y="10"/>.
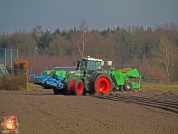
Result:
<point x="56" y="91"/>
<point x="70" y="87"/>
<point x="103" y="84"/>
<point x="78" y="87"/>
<point x="45" y="86"/>
<point x="128" y="86"/>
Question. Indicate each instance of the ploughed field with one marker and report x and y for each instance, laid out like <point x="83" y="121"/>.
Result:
<point x="135" y="112"/>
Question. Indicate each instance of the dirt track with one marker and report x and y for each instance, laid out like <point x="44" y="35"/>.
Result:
<point x="141" y="112"/>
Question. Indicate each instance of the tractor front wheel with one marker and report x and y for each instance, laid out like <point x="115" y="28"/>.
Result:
<point x="103" y="84"/>
<point x="78" y="87"/>
<point x="70" y="87"/>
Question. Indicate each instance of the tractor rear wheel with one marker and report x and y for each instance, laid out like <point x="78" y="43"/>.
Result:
<point x="103" y="84"/>
<point x="70" y="87"/>
<point x="128" y="86"/>
<point x="78" y="87"/>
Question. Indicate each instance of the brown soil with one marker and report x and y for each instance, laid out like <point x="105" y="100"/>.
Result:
<point x="138" y="112"/>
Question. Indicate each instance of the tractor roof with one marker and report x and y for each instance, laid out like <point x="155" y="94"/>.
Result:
<point x="92" y="59"/>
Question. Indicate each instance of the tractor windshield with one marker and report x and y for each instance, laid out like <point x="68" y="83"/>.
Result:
<point x="94" y="65"/>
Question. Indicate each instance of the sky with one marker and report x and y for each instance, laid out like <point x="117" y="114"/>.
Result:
<point x="22" y="15"/>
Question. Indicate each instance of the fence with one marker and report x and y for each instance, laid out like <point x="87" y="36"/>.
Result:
<point x="7" y="56"/>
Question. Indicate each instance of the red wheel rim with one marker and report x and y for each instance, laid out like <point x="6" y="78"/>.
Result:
<point x="79" y="88"/>
<point x="71" y="86"/>
<point x="103" y="85"/>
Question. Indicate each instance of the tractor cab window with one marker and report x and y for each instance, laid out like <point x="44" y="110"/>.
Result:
<point x="82" y="65"/>
<point x="94" y="65"/>
<point x="98" y="65"/>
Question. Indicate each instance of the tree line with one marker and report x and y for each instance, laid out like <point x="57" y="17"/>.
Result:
<point x="152" y="50"/>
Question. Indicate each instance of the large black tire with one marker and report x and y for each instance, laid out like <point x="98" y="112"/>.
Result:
<point x="128" y="86"/>
<point x="78" y="87"/>
<point x="70" y="87"/>
<point x="92" y="88"/>
<point x="103" y="84"/>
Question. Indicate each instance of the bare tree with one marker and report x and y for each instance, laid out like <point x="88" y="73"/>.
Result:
<point x="165" y="53"/>
<point x="37" y="31"/>
<point x="81" y="46"/>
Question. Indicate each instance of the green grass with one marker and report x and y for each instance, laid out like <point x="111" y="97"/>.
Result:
<point x="33" y="87"/>
<point x="160" y="87"/>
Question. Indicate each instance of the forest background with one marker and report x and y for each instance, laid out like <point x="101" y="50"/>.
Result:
<point x="152" y="50"/>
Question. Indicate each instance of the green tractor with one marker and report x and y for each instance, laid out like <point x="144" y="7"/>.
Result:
<point x="89" y="77"/>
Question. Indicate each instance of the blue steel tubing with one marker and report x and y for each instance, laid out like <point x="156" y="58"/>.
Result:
<point x="54" y="82"/>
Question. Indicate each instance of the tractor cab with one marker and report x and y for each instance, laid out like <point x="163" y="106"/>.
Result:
<point x="89" y="65"/>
